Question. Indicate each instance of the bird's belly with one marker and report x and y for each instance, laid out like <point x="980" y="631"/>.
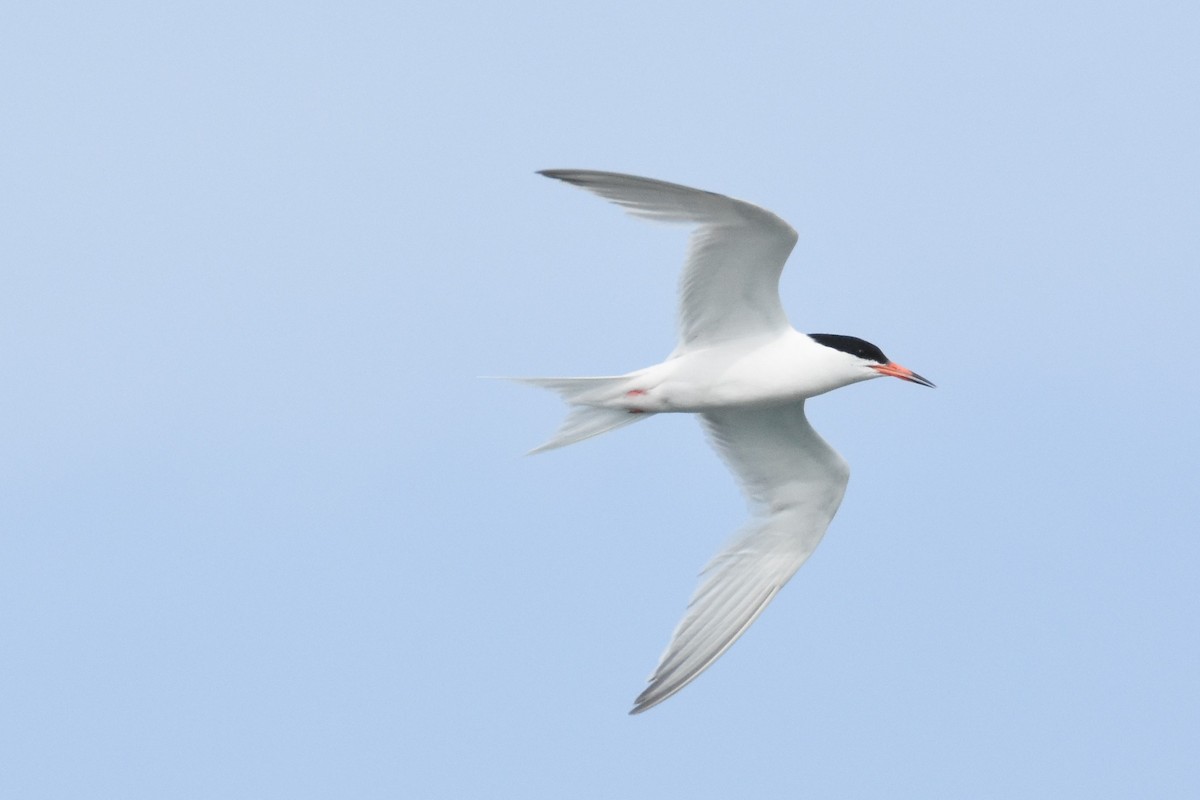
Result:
<point x="715" y="378"/>
<point x="728" y="392"/>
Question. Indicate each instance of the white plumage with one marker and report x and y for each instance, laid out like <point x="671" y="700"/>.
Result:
<point x="741" y="366"/>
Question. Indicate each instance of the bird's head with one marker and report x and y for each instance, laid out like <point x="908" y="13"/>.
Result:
<point x="864" y="360"/>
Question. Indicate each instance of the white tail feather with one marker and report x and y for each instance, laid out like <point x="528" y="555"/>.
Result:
<point x="589" y="415"/>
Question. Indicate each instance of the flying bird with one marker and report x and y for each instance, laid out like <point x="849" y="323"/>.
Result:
<point x="742" y="367"/>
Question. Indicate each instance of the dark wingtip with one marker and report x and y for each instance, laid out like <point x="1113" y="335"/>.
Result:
<point x="649" y="698"/>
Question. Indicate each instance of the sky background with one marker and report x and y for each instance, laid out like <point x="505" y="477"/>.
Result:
<point x="265" y="533"/>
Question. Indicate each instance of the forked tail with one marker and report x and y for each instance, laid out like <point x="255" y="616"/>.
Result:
<point x="590" y="415"/>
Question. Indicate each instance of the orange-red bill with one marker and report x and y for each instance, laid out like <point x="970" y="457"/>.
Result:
<point x="894" y="370"/>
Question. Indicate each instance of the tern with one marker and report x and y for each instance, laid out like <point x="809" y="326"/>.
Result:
<point x="742" y="367"/>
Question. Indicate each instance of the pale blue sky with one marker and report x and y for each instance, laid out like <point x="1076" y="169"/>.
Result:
<point x="264" y="533"/>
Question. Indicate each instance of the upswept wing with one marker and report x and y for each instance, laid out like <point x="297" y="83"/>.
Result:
<point x="730" y="285"/>
<point x="795" y="482"/>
